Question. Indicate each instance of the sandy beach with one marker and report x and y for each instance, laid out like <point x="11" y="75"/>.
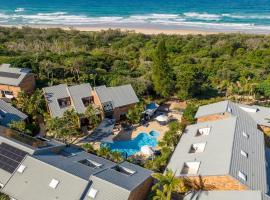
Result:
<point x="147" y="31"/>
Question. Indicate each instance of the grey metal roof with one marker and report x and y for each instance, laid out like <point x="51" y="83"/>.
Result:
<point x="225" y="195"/>
<point x="210" y="109"/>
<point x="71" y="164"/>
<point x="26" y="143"/>
<point x="107" y="190"/>
<point x="120" y="96"/>
<point x="128" y="182"/>
<point x="10" y="79"/>
<point x="64" y="164"/>
<point x="76" y="93"/>
<point x="254" y="166"/>
<point x="261" y="116"/>
<point x="34" y="182"/>
<point x="216" y="158"/>
<point x="8" y="113"/>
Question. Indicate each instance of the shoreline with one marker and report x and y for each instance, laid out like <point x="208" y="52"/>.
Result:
<point x="142" y="30"/>
<point x="146" y="31"/>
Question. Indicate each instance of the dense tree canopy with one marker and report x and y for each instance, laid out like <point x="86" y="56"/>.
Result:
<point x="197" y="66"/>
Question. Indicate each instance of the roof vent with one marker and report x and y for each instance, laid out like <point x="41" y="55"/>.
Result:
<point x="21" y="169"/>
<point x="197" y="148"/>
<point x="229" y="110"/>
<point x="53" y="184"/>
<point x="250" y="110"/>
<point x="243" y="153"/>
<point x="92" y="193"/>
<point x="190" y="168"/>
<point x="245" y="135"/>
<point x="203" y="131"/>
<point x="242" y="176"/>
<point x="124" y="170"/>
<point x="90" y="163"/>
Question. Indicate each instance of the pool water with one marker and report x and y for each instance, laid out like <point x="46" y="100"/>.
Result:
<point x="130" y="147"/>
<point x="154" y="133"/>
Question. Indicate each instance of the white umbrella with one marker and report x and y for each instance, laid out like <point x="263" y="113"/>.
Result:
<point x="162" y="118"/>
<point x="147" y="150"/>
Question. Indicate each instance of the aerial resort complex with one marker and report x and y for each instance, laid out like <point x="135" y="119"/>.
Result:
<point x="120" y="115"/>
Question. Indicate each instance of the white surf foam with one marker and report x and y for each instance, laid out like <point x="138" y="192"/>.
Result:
<point x="19" y="10"/>
<point x="203" y="16"/>
<point x="204" y="20"/>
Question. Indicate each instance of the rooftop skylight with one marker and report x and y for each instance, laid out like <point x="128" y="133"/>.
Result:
<point x="242" y="176"/>
<point x="21" y="169"/>
<point x="92" y="193"/>
<point x="197" y="148"/>
<point x="245" y="135"/>
<point x="54" y="183"/>
<point x="90" y="163"/>
<point x="243" y="153"/>
<point x="124" y="170"/>
<point x="190" y="168"/>
<point x="203" y="131"/>
<point x="250" y="110"/>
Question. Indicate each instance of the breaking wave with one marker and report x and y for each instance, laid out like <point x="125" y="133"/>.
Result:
<point x="204" y="20"/>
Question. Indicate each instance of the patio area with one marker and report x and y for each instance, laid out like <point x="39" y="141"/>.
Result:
<point x="172" y="109"/>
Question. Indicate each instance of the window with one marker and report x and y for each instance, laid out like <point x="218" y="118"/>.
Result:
<point x="124" y="170"/>
<point x="197" y="148"/>
<point x="92" y="193"/>
<point x="245" y="135"/>
<point x="21" y="169"/>
<point x="243" y="153"/>
<point x="87" y="101"/>
<point x="64" y="102"/>
<point x="203" y="131"/>
<point x="90" y="163"/>
<point x="190" y="168"/>
<point x="53" y="184"/>
<point x="242" y="176"/>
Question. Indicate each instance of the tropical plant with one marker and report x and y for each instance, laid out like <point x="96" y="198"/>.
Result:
<point x="189" y="114"/>
<point x="31" y="104"/>
<point x="4" y="197"/>
<point x="66" y="128"/>
<point x="104" y="152"/>
<point x="92" y="115"/>
<point x="89" y="148"/>
<point x="18" y="125"/>
<point x="166" y="185"/>
<point x="134" y="114"/>
<point x="196" y="186"/>
<point x="116" y="156"/>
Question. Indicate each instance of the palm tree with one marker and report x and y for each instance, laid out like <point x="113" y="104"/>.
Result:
<point x="104" y="152"/>
<point x="116" y="156"/>
<point x="166" y="185"/>
<point x="197" y="186"/>
<point x="91" y="115"/>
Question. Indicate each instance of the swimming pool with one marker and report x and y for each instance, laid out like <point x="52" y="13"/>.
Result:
<point x="130" y="147"/>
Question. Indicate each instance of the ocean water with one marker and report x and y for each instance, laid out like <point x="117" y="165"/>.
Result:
<point x="215" y="15"/>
